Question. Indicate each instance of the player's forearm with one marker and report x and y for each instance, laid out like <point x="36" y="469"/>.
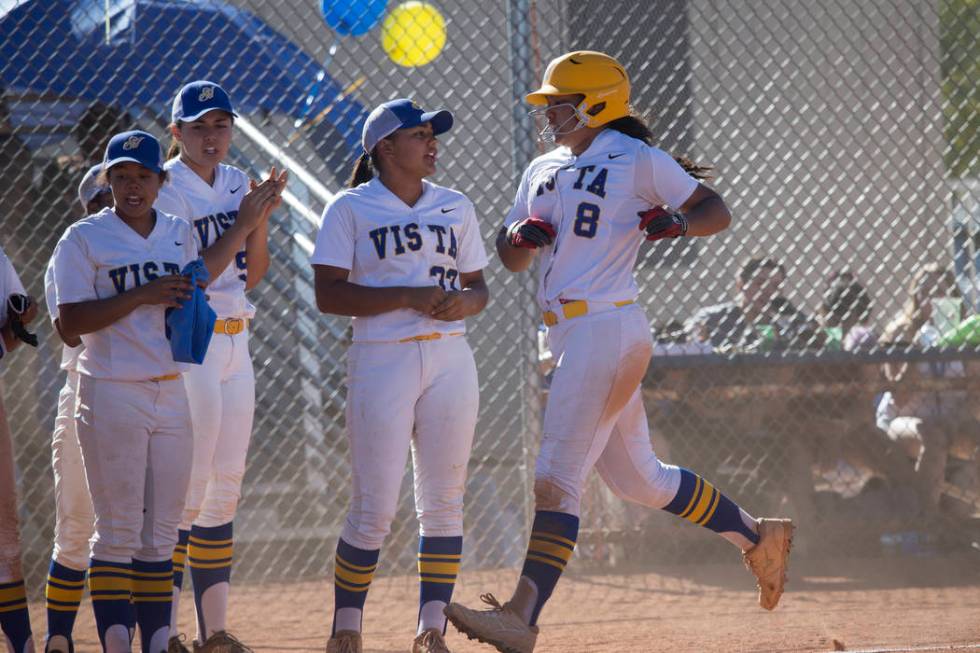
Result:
<point x="476" y="294"/>
<point x="87" y="317"/>
<point x="257" y="256"/>
<point x="220" y="254"/>
<point x="515" y="259"/>
<point x="10" y="341"/>
<point x="708" y="217"/>
<point x="353" y="300"/>
<point x="71" y="342"/>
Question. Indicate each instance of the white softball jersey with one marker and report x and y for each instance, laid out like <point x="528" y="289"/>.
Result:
<point x="592" y="201"/>
<point x="101" y="256"/>
<point x="69" y="355"/>
<point x="384" y="242"/>
<point x="9" y="284"/>
<point x="211" y="210"/>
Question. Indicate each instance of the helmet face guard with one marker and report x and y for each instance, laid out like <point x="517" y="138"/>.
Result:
<point x="549" y="133"/>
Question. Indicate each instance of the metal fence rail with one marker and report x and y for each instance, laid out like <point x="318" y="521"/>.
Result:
<point x="844" y="138"/>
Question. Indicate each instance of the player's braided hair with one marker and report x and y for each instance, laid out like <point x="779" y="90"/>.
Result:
<point x="634" y="127"/>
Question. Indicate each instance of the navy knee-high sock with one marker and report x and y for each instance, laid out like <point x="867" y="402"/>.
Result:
<point x="15" y="621"/>
<point x="699" y="502"/>
<point x="553" y="537"/>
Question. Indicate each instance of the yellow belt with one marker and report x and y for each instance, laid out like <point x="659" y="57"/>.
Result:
<point x="431" y="336"/>
<point x="166" y="377"/>
<point x="231" y="326"/>
<point x="577" y="308"/>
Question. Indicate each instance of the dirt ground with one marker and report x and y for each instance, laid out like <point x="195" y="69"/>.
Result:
<point x="885" y="605"/>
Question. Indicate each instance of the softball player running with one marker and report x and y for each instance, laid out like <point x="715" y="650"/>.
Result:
<point x="405" y="259"/>
<point x="15" y="621"/>
<point x="116" y="272"/>
<point x="209" y="195"/>
<point x="74" y="518"/>
<point x="579" y="206"/>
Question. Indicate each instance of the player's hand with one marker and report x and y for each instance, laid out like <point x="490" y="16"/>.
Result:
<point x="280" y="181"/>
<point x="453" y="307"/>
<point x="171" y="290"/>
<point x="425" y="299"/>
<point x="530" y="233"/>
<point x="258" y="203"/>
<point x="30" y="311"/>
<point x="660" y="223"/>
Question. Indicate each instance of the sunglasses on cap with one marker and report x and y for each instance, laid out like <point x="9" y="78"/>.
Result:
<point x="17" y="305"/>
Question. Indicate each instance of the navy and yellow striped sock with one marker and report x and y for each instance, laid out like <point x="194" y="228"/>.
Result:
<point x="180" y="558"/>
<point x="110" y="586"/>
<point x="62" y="595"/>
<point x="209" y="554"/>
<point x="353" y="572"/>
<point x="152" y="591"/>
<point x="699" y="502"/>
<point x="439" y="559"/>
<point x="553" y="537"/>
<point x="15" y="621"/>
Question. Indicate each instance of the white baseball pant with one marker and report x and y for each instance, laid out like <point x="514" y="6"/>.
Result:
<point x="74" y="515"/>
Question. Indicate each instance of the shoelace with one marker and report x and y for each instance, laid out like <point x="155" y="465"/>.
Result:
<point x="492" y="601"/>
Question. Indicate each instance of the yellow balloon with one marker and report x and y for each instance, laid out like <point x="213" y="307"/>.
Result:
<point x="413" y="34"/>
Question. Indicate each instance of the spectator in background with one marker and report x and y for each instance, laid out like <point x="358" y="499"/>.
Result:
<point x="759" y="317"/>
<point x="846" y="307"/>
<point x="931" y="425"/>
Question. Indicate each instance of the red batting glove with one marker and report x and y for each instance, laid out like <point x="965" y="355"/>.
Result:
<point x="531" y="233"/>
<point x="660" y="223"/>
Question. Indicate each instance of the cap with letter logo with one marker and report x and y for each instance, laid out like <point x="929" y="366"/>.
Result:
<point x="197" y="98"/>
<point x="134" y="147"/>
<point x="401" y="114"/>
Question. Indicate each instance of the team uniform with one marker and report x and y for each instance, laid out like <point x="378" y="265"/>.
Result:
<point x="132" y="420"/>
<point x="601" y="338"/>
<point x="411" y="383"/>
<point x="221" y="393"/>
<point x="14" y="620"/>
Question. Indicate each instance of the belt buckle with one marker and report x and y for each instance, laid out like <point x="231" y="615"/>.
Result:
<point x="234" y="325"/>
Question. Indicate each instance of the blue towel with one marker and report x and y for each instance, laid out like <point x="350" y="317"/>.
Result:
<point x="190" y="327"/>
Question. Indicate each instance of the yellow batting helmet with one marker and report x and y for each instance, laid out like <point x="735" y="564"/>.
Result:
<point x="597" y="76"/>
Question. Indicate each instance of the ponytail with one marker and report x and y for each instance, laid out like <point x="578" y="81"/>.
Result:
<point x="363" y="171"/>
<point x="634" y="127"/>
<point x="174" y="149"/>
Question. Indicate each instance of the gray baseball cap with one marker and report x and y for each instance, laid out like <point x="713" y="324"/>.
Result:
<point x="90" y="187"/>
<point x="401" y="114"/>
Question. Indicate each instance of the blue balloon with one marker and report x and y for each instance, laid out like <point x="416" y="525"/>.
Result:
<point x="352" y="17"/>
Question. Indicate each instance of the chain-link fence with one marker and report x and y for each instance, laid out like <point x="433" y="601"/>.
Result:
<point x="844" y="139"/>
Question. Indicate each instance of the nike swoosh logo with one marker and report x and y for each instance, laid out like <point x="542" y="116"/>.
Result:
<point x="448" y="210"/>
<point x="178" y="244"/>
<point x="616" y="156"/>
<point x="234" y="190"/>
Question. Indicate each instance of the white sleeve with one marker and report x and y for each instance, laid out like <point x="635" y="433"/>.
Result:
<point x="50" y="297"/>
<point x="335" y="240"/>
<point x="472" y="252"/>
<point x="10" y="285"/>
<point x="519" y="210"/>
<point x="661" y="180"/>
<point x="74" y="274"/>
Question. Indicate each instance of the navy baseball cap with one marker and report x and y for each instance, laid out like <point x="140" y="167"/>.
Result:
<point x="197" y="98"/>
<point x="134" y="146"/>
<point x="401" y="114"/>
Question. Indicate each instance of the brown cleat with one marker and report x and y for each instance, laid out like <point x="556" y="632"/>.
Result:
<point x="221" y="642"/>
<point x="176" y="645"/>
<point x="345" y="641"/>
<point x="500" y="626"/>
<point x="430" y="641"/>
<point x="768" y="560"/>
